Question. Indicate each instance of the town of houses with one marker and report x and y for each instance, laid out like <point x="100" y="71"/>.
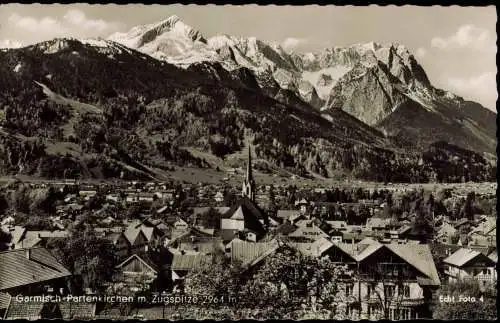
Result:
<point x="161" y="233"/>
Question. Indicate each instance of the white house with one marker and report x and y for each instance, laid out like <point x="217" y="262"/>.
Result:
<point x="467" y="264"/>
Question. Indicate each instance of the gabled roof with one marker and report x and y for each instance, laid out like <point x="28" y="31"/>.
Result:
<point x="238" y="214"/>
<point x="247" y="210"/>
<point x="287" y="214"/>
<point x="131" y="234"/>
<point x="463" y="256"/>
<point x="419" y="256"/>
<point x="248" y="252"/>
<point x="189" y="261"/>
<point x="313" y="249"/>
<point x="309" y="232"/>
<point x="349" y="249"/>
<point x="17" y="270"/>
<point x="148" y="232"/>
<point x="142" y="258"/>
<point x="363" y="251"/>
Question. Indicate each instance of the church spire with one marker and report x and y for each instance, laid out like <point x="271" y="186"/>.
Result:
<point x="248" y="189"/>
<point x="249" y="166"/>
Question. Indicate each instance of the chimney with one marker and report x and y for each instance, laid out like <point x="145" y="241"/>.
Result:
<point x="28" y="253"/>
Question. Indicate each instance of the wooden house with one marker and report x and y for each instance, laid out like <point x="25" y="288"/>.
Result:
<point x="468" y="264"/>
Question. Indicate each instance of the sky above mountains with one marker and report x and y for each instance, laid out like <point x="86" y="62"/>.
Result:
<point x="455" y="45"/>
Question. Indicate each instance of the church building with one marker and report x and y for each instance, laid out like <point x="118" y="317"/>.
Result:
<point x="245" y="220"/>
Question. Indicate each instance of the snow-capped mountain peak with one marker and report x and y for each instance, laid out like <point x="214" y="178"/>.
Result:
<point x="316" y="73"/>
<point x="153" y="34"/>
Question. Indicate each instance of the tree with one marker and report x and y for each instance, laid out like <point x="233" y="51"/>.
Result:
<point x="285" y="284"/>
<point x="4" y="204"/>
<point x="5" y="239"/>
<point x="90" y="258"/>
<point x="216" y="277"/>
<point x="423" y="224"/>
<point x="482" y="308"/>
<point x="20" y="200"/>
<point x="290" y="285"/>
<point x="468" y="207"/>
<point x="230" y="198"/>
<point x="211" y="219"/>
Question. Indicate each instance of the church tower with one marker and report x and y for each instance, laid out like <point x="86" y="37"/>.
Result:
<point x="249" y="184"/>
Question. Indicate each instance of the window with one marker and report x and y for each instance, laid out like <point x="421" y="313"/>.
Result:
<point x="348" y="289"/>
<point x="371" y="311"/>
<point x="392" y="314"/>
<point x="389" y="291"/>
<point x="405" y="290"/>
<point x="350" y="311"/>
<point x="369" y="291"/>
<point x="485" y="271"/>
<point x="404" y="314"/>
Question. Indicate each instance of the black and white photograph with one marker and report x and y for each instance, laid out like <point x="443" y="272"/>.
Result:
<point x="231" y="162"/>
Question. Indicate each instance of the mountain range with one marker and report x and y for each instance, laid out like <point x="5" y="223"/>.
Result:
<point x="164" y="94"/>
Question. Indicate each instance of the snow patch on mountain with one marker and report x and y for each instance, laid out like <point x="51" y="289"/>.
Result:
<point x="53" y="46"/>
<point x="325" y="79"/>
<point x="418" y="98"/>
<point x="97" y="42"/>
<point x="170" y="40"/>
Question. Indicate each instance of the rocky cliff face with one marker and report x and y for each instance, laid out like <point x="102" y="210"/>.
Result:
<point x="129" y="113"/>
<point x="376" y="83"/>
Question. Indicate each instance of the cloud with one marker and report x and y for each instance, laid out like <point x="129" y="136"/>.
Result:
<point x="421" y="52"/>
<point x="73" y="23"/>
<point x="8" y="43"/>
<point x="467" y="36"/>
<point x="292" y="43"/>
<point x="33" y="25"/>
<point x="77" y="18"/>
<point x="482" y="88"/>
